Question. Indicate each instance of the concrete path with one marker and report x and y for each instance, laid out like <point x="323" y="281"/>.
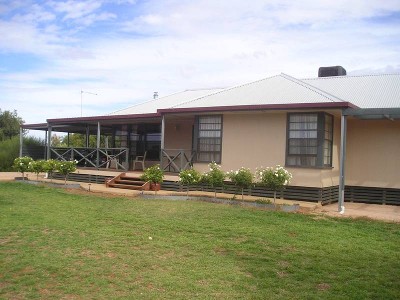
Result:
<point x="359" y="210"/>
<point x="389" y="213"/>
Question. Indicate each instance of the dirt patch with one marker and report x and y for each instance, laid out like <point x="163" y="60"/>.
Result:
<point x="282" y="274"/>
<point x="323" y="286"/>
<point x="284" y="264"/>
<point x="221" y="251"/>
<point x="111" y="255"/>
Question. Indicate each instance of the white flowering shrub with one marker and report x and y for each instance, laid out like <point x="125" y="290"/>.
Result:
<point x="37" y="166"/>
<point x="189" y="177"/>
<point x="50" y="166"/>
<point x="66" y="167"/>
<point x="214" y="177"/>
<point x="242" y="178"/>
<point x="275" y="179"/>
<point x="21" y="164"/>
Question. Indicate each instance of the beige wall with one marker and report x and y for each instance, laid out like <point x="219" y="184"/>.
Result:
<point x="178" y="133"/>
<point x="259" y="139"/>
<point x="373" y="153"/>
<point x="255" y="140"/>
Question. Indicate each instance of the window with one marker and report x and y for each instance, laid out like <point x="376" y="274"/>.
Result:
<point x="208" y="138"/>
<point x="309" y="140"/>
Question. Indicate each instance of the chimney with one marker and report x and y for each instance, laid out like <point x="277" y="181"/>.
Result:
<point x="155" y="95"/>
<point x="331" y="71"/>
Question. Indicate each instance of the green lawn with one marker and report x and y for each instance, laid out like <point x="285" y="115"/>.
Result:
<point x="55" y="244"/>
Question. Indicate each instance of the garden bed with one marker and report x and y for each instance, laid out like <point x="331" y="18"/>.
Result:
<point x="49" y="184"/>
<point x="270" y="206"/>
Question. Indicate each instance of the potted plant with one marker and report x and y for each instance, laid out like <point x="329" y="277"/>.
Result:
<point x="21" y="164"/>
<point x="189" y="177"/>
<point x="242" y="178"/>
<point x="155" y="175"/>
<point x="275" y="179"/>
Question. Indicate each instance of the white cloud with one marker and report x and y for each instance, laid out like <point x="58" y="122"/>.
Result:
<point x="167" y="46"/>
<point x="75" y="9"/>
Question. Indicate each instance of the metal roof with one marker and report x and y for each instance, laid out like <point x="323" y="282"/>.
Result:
<point x="164" y="102"/>
<point x="366" y="91"/>
<point x="279" y="89"/>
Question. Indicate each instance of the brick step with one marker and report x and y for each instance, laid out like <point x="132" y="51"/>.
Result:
<point x="129" y="182"/>
<point x="126" y="186"/>
<point x="130" y="178"/>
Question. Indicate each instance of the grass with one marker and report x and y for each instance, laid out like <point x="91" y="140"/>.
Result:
<point x="56" y="244"/>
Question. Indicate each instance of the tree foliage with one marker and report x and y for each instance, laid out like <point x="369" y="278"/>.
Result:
<point x="9" y="124"/>
<point x="79" y="140"/>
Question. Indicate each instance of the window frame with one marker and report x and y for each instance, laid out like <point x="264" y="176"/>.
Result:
<point x="196" y="139"/>
<point x="320" y="155"/>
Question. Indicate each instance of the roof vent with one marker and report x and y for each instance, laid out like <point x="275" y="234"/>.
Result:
<point x="331" y="71"/>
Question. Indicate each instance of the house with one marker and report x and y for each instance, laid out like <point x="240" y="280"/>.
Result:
<point x="327" y="131"/>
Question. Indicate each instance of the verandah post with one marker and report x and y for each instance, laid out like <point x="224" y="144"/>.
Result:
<point x="343" y="132"/>
<point x="98" y="146"/>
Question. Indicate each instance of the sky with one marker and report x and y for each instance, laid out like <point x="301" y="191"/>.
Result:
<point x="125" y="50"/>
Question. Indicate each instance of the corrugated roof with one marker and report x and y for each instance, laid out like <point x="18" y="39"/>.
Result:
<point x="152" y="106"/>
<point x="279" y="89"/>
<point x="366" y="91"/>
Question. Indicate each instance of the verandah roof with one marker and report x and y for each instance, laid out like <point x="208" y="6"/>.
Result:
<point x="276" y="92"/>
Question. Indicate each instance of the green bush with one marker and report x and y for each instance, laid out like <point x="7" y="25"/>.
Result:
<point x="214" y="177"/>
<point x="66" y="167"/>
<point x="275" y="179"/>
<point x="189" y="177"/>
<point x="21" y="164"/>
<point x="37" y="166"/>
<point x="242" y="178"/>
<point x="9" y="150"/>
<point x="50" y="166"/>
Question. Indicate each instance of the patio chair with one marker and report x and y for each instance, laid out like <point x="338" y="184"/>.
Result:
<point x="113" y="163"/>
<point x="139" y="159"/>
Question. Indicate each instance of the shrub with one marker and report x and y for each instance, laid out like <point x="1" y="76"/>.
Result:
<point x="21" y="164"/>
<point x="189" y="177"/>
<point x="275" y="179"/>
<point x="9" y="151"/>
<point x="50" y="166"/>
<point x="214" y="177"/>
<point x="66" y="167"/>
<point x="37" y="167"/>
<point x="242" y="178"/>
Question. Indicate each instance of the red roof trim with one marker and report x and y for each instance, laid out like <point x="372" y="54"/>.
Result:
<point x="258" y="107"/>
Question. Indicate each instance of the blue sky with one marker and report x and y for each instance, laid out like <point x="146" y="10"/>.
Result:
<point x="124" y="50"/>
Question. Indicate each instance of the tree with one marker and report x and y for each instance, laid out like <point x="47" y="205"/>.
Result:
<point x="56" y="140"/>
<point x="79" y="140"/>
<point x="10" y="123"/>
